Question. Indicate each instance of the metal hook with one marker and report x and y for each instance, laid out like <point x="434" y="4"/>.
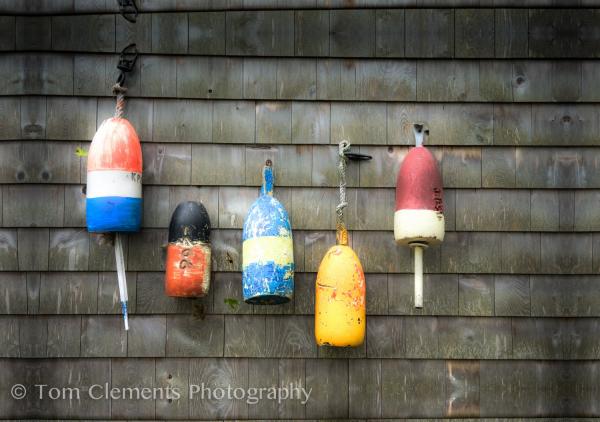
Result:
<point x="126" y="62"/>
<point x="128" y="9"/>
<point x="354" y="156"/>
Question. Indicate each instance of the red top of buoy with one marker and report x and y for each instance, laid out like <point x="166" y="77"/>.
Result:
<point x="115" y="146"/>
<point x="419" y="183"/>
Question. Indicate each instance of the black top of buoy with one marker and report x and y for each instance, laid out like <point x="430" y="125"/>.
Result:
<point x="190" y="220"/>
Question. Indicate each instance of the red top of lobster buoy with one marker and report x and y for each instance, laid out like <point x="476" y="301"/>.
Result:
<point x="419" y="183"/>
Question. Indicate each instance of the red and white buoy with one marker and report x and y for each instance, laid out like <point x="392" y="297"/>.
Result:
<point x="419" y="218"/>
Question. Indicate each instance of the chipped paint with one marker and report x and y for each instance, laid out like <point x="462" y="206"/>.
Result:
<point x="268" y="255"/>
<point x="340" y="303"/>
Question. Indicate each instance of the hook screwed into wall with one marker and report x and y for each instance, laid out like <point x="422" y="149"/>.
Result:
<point x="128" y="9"/>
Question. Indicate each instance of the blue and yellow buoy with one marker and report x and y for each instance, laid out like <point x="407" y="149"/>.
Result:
<point x="268" y="252"/>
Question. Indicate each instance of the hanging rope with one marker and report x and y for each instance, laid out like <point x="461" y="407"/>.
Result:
<point x="342" y="234"/>
<point x="119" y="91"/>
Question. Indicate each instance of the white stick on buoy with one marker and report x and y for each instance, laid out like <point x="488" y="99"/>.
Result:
<point x="121" y="277"/>
<point x="418" y="276"/>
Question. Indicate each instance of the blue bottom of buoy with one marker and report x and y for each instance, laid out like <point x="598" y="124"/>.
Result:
<point x="268" y="283"/>
<point x="113" y="214"/>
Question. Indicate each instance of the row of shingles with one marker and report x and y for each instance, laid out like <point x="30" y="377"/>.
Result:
<point x="292" y="336"/>
<point x="306" y="166"/>
<point x="339" y="388"/>
<point x="461" y="252"/>
<point x="69" y="7"/>
<point x="305" y="79"/>
<point x="500" y="210"/>
<point x="387" y="294"/>
<point x="299" y="122"/>
<point x="310" y="208"/>
<point x="388" y="33"/>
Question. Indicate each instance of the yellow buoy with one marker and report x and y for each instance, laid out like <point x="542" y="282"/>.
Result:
<point x="340" y="315"/>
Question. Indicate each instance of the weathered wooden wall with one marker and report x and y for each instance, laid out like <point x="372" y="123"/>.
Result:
<point x="512" y="298"/>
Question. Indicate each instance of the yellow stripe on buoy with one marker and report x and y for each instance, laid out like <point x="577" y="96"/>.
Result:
<point x="276" y="249"/>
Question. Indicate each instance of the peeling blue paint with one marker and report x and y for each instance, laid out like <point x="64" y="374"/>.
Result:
<point x="267" y="281"/>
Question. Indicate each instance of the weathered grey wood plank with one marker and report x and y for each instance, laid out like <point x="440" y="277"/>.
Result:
<point x="389" y="33"/>
<point x="182" y="121"/>
<point x="311" y="31"/>
<point x="386" y="80"/>
<point x="543" y="80"/>
<point x="69" y="293"/>
<point x="274" y="122"/>
<point x="462" y="388"/>
<point x="206" y="33"/>
<point x="492" y="209"/>
<point x="71" y="118"/>
<point x="33" y="118"/>
<point x="32" y="33"/>
<point x="234" y="122"/>
<point x="33" y="337"/>
<point x="498" y="167"/>
<point x="167" y="164"/>
<point x="268" y="33"/>
<point x="156" y="211"/>
<point x="193" y="336"/>
<point x="471" y="252"/>
<point x="211" y="165"/>
<point x="412" y="388"/>
<point x="159" y="76"/>
<point x="297" y="79"/>
<point x="69" y="250"/>
<point x="33" y="249"/>
<point x="328" y="379"/>
<point x="133" y="373"/>
<point x="325" y="174"/>
<point x="169" y="33"/>
<point x="290" y="336"/>
<point x="108" y="293"/>
<point x="147" y="336"/>
<point x="344" y="24"/>
<point x="566" y="253"/>
<point x="18" y="212"/>
<point x="245" y="336"/>
<point x="475" y="338"/>
<point x="263" y="373"/>
<point x="138" y="32"/>
<point x="512" y="295"/>
<point x="103" y="336"/>
<point x="145" y="251"/>
<point x="336" y="79"/>
<point x="260" y="78"/>
<point x="447" y="80"/>
<point x="7" y="35"/>
<point x="292" y="164"/>
<point x="10" y="340"/>
<point x="355" y="122"/>
<point x="219" y="373"/>
<point x="227" y="250"/>
<point x="310" y="122"/>
<point x="476" y="295"/>
<point x="173" y="374"/>
<point x="84" y="33"/>
<point x="221" y="77"/>
<point x="429" y="33"/>
<point x="513" y="125"/>
<point x="13" y="290"/>
<point x="510" y="33"/>
<point x="440" y="298"/>
<point x="461" y="167"/>
<point x="102" y="253"/>
<point x="474" y="33"/>
<point x="385" y="337"/>
<point x="364" y="384"/>
<point x="64" y="337"/>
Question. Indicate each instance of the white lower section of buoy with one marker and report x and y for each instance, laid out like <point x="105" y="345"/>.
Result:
<point x="418" y="276"/>
<point x="425" y="226"/>
<point x="102" y="183"/>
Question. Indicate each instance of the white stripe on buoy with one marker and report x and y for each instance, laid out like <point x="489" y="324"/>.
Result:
<point x="102" y="183"/>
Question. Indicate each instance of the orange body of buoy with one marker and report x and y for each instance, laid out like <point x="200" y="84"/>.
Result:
<point x="188" y="252"/>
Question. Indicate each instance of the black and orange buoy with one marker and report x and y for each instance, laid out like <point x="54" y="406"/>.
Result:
<point x="188" y="252"/>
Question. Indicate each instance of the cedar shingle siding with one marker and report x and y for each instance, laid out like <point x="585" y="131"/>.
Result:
<point x="510" y="323"/>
